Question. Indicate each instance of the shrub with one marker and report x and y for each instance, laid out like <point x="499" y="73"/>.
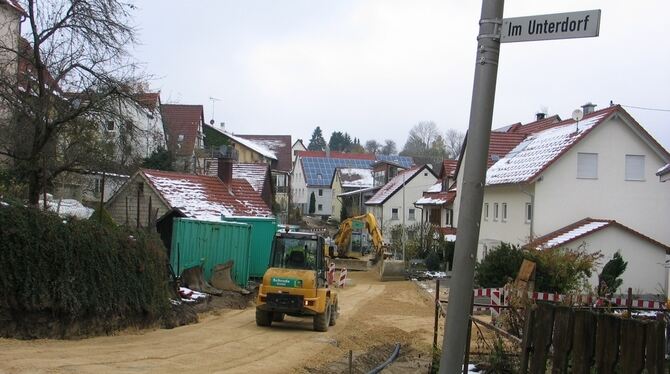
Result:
<point x="609" y="279"/>
<point x="80" y="276"/>
<point x="498" y="266"/>
<point x="312" y="203"/>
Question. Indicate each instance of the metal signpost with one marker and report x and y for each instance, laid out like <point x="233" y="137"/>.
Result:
<point x="493" y="30"/>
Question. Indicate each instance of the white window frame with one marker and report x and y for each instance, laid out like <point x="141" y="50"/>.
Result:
<point x="504" y="212"/>
<point x="394" y="214"/>
<point x="583" y="169"/>
<point x="320" y="207"/>
<point x="496" y="211"/>
<point x="320" y="192"/>
<point x="486" y="211"/>
<point x="529" y="212"/>
<point x="630" y="168"/>
<point x="411" y="214"/>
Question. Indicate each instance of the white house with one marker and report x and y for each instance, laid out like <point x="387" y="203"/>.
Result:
<point x="393" y="204"/>
<point x="645" y="272"/>
<point x="603" y="166"/>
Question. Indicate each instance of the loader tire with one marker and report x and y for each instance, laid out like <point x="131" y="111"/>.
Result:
<point x="334" y="313"/>
<point x="263" y="318"/>
<point x="278" y="317"/>
<point x="321" y="320"/>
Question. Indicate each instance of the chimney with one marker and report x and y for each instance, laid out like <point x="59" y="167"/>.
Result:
<point x="539" y="116"/>
<point x="327" y="151"/>
<point x="225" y="160"/>
<point x="588" y="108"/>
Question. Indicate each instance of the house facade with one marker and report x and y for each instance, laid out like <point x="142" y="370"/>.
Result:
<point x="184" y="135"/>
<point x="345" y="181"/>
<point x="603" y="166"/>
<point x="393" y="204"/>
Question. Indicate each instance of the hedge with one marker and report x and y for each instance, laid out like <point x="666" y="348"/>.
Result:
<point x="64" y="278"/>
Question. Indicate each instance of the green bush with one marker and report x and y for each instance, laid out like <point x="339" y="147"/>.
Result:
<point x="77" y="273"/>
<point x="498" y="266"/>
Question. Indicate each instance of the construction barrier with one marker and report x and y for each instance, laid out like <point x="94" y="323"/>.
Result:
<point x="498" y="299"/>
<point x="343" y="278"/>
<point x="331" y="273"/>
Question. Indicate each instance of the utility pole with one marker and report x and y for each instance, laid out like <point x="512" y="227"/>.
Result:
<point x="472" y="190"/>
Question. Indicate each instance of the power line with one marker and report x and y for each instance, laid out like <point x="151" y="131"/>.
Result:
<point x="643" y="108"/>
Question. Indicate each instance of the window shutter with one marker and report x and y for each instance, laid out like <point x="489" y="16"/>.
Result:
<point x="587" y="165"/>
<point x="634" y="167"/>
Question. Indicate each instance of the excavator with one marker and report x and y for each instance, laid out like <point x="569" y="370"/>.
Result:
<point x="352" y="246"/>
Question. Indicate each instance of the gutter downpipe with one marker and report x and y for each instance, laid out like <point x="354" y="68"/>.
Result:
<point x="532" y="212"/>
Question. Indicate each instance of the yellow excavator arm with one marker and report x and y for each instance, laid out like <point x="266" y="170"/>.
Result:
<point x="343" y="235"/>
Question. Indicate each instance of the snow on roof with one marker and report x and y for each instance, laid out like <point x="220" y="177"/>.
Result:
<point x="427" y="200"/>
<point x="255" y="174"/>
<point x="436" y="198"/>
<point x="255" y="145"/>
<point x="437" y="187"/>
<point x="356" y="178"/>
<point x="360" y="191"/>
<point x="206" y="197"/>
<point x="664" y="170"/>
<point x="279" y="144"/>
<point x="583" y="228"/>
<point x="537" y="151"/>
<point x="394" y="185"/>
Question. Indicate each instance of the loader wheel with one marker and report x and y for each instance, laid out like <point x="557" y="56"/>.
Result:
<point x="334" y="313"/>
<point x="263" y="318"/>
<point x="321" y="320"/>
<point x="278" y="317"/>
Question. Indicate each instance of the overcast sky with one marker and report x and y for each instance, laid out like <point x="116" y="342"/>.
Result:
<point x="376" y="68"/>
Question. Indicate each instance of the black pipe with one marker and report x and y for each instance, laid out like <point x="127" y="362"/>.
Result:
<point x="386" y="363"/>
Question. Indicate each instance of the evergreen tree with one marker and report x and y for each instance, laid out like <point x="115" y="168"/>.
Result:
<point x="312" y="203"/>
<point x="160" y="159"/>
<point x="609" y="279"/>
<point x="317" y="142"/>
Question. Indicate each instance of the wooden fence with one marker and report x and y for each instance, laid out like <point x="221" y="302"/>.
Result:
<point x="580" y="340"/>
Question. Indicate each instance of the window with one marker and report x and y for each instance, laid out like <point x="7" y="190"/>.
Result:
<point x="529" y="212"/>
<point x="486" y="211"/>
<point x="180" y="137"/>
<point x="495" y="211"/>
<point x="320" y="192"/>
<point x="394" y="213"/>
<point x="587" y="165"/>
<point x="504" y="212"/>
<point x="450" y="217"/>
<point x="634" y="167"/>
<point x="410" y="216"/>
<point x="110" y="125"/>
<point x="320" y="207"/>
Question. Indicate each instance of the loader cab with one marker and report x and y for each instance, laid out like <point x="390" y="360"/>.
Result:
<point x="299" y="251"/>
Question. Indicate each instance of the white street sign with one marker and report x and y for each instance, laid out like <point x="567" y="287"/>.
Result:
<point x="583" y="24"/>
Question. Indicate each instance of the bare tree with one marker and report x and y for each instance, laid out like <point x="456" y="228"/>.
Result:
<point x="76" y="46"/>
<point x="454" y="143"/>
<point x="420" y="138"/>
<point x="389" y="147"/>
<point x="372" y="146"/>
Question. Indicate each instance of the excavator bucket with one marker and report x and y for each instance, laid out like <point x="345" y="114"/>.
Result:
<point x="391" y="270"/>
<point x="194" y="278"/>
<point x="222" y="279"/>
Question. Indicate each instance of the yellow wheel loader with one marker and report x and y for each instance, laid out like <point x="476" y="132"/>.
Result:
<point x="296" y="282"/>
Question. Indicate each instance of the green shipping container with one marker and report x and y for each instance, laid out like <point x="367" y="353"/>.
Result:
<point x="263" y="230"/>
<point x="210" y="243"/>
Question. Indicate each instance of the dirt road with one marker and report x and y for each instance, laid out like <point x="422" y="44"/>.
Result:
<point x="374" y="315"/>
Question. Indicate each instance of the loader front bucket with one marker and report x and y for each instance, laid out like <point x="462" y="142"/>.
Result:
<point x="391" y="270"/>
<point x="222" y="279"/>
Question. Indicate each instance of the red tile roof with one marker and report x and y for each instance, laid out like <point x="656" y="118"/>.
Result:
<point x="279" y="144"/>
<point x="183" y="120"/>
<point x="447" y="230"/>
<point x="500" y="145"/>
<point x="448" y="168"/>
<point x="206" y="197"/>
<point x="396" y="183"/>
<point x="582" y="228"/>
<point x="532" y="127"/>
<point x="350" y="156"/>
<point x="437" y="198"/>
<point x="149" y="100"/>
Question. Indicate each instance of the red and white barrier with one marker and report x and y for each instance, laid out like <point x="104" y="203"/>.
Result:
<point x="343" y="278"/>
<point x="331" y="273"/>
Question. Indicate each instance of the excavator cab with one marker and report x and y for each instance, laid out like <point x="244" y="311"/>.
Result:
<point x="295" y="284"/>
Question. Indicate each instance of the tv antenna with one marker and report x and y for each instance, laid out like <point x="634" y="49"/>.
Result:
<point x="213" y="100"/>
<point x="577" y="115"/>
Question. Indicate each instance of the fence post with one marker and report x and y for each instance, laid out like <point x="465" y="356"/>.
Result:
<point x="466" y="359"/>
<point x="526" y="344"/>
<point x="437" y="311"/>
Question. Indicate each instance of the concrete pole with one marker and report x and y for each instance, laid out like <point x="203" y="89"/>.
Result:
<point x="472" y="190"/>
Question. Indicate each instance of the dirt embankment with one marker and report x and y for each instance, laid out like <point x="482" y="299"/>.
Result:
<point x="374" y="316"/>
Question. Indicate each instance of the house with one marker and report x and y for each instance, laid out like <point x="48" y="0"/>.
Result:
<point x="348" y="180"/>
<point x="436" y="204"/>
<point x="184" y="133"/>
<point x="393" y="204"/>
<point x="298" y="146"/>
<point x="602" y="166"/>
<point x="645" y="273"/>
<point x="313" y="172"/>
<point x="153" y="198"/>
<point x="258" y="176"/>
<point x="273" y="150"/>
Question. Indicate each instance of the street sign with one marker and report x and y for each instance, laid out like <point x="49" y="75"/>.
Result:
<point x="583" y="24"/>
